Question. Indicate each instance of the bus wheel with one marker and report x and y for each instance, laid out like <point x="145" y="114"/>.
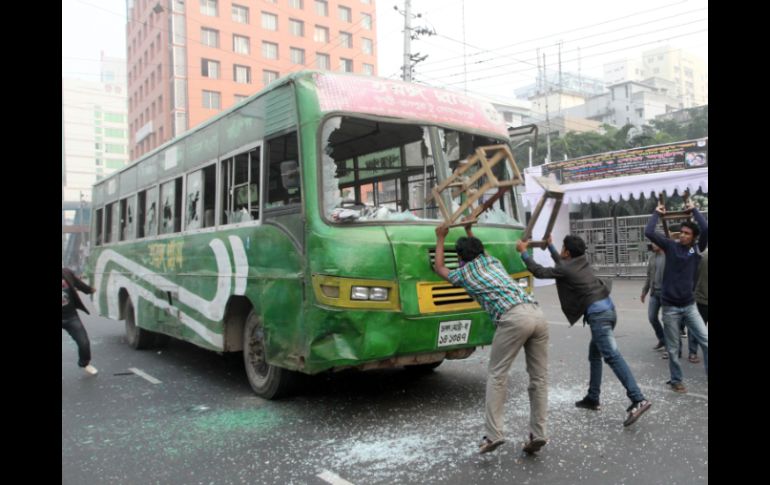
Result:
<point x="137" y="338"/>
<point x="423" y="368"/>
<point x="268" y="381"/>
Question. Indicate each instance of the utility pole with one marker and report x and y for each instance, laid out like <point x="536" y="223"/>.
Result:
<point x="407" y="76"/>
<point x="547" y="118"/>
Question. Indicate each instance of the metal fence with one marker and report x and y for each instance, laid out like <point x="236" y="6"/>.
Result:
<point x="616" y="246"/>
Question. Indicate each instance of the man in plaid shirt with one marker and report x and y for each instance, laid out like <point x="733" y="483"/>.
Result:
<point x="519" y="322"/>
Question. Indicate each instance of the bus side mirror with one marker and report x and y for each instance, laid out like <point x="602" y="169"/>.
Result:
<point x="290" y="174"/>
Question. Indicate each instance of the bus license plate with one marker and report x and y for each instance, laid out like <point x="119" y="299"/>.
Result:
<point x="454" y="332"/>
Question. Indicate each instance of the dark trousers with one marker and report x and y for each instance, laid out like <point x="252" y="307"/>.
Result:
<point x="77" y="331"/>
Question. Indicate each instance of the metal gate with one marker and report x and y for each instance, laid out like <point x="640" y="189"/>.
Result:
<point x="616" y="246"/>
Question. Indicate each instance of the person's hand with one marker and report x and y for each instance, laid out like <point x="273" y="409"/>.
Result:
<point x="442" y="231"/>
<point x="521" y="245"/>
<point x="660" y="209"/>
<point x="643" y="295"/>
<point x="468" y="226"/>
<point x="549" y="240"/>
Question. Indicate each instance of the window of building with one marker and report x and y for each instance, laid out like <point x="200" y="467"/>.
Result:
<point x="369" y="69"/>
<point x="114" y="148"/>
<point x="366" y="21"/>
<point x="239" y="97"/>
<point x="115" y="117"/>
<point x="240" y="14"/>
<point x="297" y="28"/>
<point x="346" y="65"/>
<point x="269" y="76"/>
<point x="345" y="14"/>
<point x="321" y="34"/>
<point x="322" y="61"/>
<point x="322" y="8"/>
<point x="209" y="8"/>
<point x="240" y="44"/>
<point x="212" y="99"/>
<point x="296" y="55"/>
<point x="295" y="4"/>
<point x="283" y="187"/>
<point x="240" y="187"/>
<point x="171" y="205"/>
<point x="114" y="132"/>
<point x="269" y="21"/>
<point x="241" y="74"/>
<point x="347" y="39"/>
<point x="210" y="68"/>
<point x="367" y="45"/>
<point x="269" y="50"/>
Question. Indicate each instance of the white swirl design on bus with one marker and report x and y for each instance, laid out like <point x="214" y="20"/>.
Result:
<point x="213" y="309"/>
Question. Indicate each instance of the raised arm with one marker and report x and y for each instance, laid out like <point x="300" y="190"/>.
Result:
<point x="439" y="267"/>
<point x="537" y="270"/>
<point x="649" y="230"/>
<point x="554" y="252"/>
<point x="703" y="224"/>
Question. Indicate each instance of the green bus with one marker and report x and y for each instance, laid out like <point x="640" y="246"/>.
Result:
<point x="296" y="228"/>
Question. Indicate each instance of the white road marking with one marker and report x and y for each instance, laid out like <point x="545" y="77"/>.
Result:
<point x="332" y="478"/>
<point x="144" y="375"/>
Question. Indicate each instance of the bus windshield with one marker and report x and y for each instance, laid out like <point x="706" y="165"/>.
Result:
<point x="377" y="171"/>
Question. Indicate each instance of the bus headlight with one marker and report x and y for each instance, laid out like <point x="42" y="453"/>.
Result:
<point x="360" y="293"/>
<point x="374" y="293"/>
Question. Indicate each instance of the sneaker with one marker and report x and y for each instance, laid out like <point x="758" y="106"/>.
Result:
<point x="664" y="356"/>
<point x="488" y="445"/>
<point x="635" y="410"/>
<point x="534" y="444"/>
<point x="660" y="346"/>
<point x="693" y="358"/>
<point x="588" y="403"/>
<point x="677" y="386"/>
<point x="91" y="370"/>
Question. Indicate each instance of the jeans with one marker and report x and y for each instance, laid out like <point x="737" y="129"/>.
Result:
<point x="522" y="326"/>
<point x="692" y="344"/>
<point x="77" y="331"/>
<point x="673" y="318"/>
<point x="652" y="315"/>
<point x="603" y="345"/>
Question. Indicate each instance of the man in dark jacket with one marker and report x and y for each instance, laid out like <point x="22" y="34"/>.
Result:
<point x="678" y="296"/>
<point x="582" y="293"/>
<point x="70" y="321"/>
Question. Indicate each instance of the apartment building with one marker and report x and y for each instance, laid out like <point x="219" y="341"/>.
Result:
<point x="189" y="60"/>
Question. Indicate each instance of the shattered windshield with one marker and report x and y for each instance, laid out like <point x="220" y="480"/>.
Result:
<point x="380" y="171"/>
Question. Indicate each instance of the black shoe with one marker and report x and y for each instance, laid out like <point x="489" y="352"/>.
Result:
<point x="588" y="403"/>
<point x="635" y="410"/>
<point x="660" y="346"/>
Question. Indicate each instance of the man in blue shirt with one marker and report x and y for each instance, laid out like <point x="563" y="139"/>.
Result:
<point x="678" y="296"/>
<point x="519" y="323"/>
<point x="583" y="294"/>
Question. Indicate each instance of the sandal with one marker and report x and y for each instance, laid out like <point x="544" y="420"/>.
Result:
<point x="694" y="358"/>
<point x="488" y="445"/>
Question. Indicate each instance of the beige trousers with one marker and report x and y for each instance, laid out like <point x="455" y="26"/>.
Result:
<point x="523" y="325"/>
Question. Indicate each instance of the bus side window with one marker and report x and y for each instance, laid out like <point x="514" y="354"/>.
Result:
<point x="240" y="187"/>
<point x="283" y="186"/>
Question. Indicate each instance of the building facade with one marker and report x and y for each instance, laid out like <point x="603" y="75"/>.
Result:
<point x="188" y="60"/>
<point x="94" y="130"/>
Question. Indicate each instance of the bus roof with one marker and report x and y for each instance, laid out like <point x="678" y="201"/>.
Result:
<point x="355" y="93"/>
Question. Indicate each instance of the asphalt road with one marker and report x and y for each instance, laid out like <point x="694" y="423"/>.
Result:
<point x="192" y="418"/>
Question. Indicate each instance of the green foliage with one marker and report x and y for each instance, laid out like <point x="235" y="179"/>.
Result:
<point x="658" y="132"/>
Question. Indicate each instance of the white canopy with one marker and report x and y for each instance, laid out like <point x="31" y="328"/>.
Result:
<point x="619" y="188"/>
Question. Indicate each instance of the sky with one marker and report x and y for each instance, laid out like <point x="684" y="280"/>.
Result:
<point x="492" y="52"/>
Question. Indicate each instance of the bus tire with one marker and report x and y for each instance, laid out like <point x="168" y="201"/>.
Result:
<point x="423" y="368"/>
<point x="136" y="337"/>
<point x="267" y="381"/>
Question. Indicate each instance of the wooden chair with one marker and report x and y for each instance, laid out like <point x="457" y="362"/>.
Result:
<point x="552" y="191"/>
<point x="483" y="160"/>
